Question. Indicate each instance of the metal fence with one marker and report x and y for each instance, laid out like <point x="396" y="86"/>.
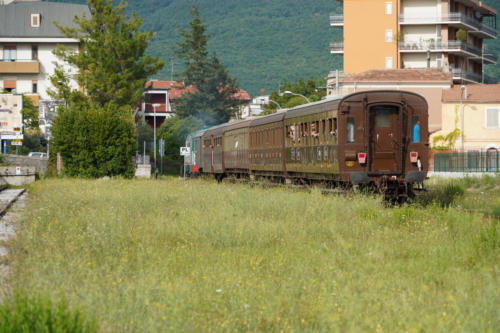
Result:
<point x="467" y="161"/>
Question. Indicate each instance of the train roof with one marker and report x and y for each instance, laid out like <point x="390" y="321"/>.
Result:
<point x="382" y="92"/>
<point x="272" y="118"/>
<point x="312" y="108"/>
<point x="239" y="124"/>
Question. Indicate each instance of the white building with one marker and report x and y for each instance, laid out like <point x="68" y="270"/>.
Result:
<point x="27" y="38"/>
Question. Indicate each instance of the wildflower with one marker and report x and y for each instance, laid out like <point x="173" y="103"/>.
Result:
<point x="218" y="291"/>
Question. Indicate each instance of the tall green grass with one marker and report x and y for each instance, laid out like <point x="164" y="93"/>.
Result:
<point x="146" y="256"/>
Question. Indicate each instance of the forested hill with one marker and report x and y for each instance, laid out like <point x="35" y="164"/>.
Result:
<point x="260" y="41"/>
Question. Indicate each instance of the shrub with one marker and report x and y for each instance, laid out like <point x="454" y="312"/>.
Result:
<point x="443" y="195"/>
<point x="39" y="314"/>
<point x="94" y="141"/>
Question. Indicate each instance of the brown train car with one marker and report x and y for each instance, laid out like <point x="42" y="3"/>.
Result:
<point x="383" y="137"/>
<point x="267" y="149"/>
<point x="235" y="146"/>
<point x="212" y="150"/>
<point x="311" y="141"/>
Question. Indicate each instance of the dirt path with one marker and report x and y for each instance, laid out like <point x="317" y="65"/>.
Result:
<point x="12" y="202"/>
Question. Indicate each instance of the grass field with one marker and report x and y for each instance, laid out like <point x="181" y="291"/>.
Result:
<point x="146" y="256"/>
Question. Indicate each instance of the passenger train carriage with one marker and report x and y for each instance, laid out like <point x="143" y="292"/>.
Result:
<point x="377" y="138"/>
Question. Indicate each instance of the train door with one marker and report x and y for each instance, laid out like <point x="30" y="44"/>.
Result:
<point x="384" y="138"/>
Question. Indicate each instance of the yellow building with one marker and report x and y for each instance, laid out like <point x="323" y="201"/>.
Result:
<point x="473" y="112"/>
<point x="382" y="34"/>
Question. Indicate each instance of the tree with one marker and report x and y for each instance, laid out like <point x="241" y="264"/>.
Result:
<point x="30" y="114"/>
<point x="212" y="102"/>
<point x="313" y="89"/>
<point x="174" y="131"/>
<point x="112" y="65"/>
<point x="94" y="131"/>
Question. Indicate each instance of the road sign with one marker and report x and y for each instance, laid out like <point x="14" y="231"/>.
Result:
<point x="185" y="151"/>
<point x="16" y="142"/>
<point x="161" y="147"/>
<point x="11" y="136"/>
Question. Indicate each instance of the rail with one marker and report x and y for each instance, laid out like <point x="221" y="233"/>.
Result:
<point x="452" y="45"/>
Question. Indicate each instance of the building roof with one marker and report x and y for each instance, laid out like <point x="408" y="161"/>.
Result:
<point x="399" y="76"/>
<point x="176" y="89"/>
<point x="476" y="93"/>
<point x="15" y="18"/>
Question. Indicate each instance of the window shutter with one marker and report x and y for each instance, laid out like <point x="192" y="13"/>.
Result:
<point x="492" y="118"/>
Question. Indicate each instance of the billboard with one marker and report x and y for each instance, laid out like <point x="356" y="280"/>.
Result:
<point x="11" y="119"/>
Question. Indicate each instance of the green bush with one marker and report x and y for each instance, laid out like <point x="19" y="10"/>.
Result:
<point x="443" y="195"/>
<point x="39" y="314"/>
<point x="93" y="141"/>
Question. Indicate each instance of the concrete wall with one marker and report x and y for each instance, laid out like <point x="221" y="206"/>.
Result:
<point x="39" y="164"/>
<point x="12" y="177"/>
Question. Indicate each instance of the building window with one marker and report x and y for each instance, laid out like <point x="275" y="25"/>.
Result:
<point x="388" y="35"/>
<point x="9" y="53"/>
<point x="388" y="8"/>
<point x="35" y="88"/>
<point x="388" y="63"/>
<point x="34" y="52"/>
<point x="493" y="118"/>
<point x="35" y="20"/>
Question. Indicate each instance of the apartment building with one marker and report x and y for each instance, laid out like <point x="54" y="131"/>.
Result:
<point x="28" y="36"/>
<point x="405" y="34"/>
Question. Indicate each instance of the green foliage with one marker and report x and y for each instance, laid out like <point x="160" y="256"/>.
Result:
<point x="94" y="130"/>
<point x="461" y="35"/>
<point x="445" y="195"/>
<point x="30" y="114"/>
<point x="112" y="65"/>
<point x="94" y="141"/>
<point x="174" y="131"/>
<point x="23" y="313"/>
<point x="213" y="101"/>
<point x="313" y="89"/>
<point x="446" y="142"/>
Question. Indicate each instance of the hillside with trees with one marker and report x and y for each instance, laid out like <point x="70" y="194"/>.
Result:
<point x="261" y="42"/>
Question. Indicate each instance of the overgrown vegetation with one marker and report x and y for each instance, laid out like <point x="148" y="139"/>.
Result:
<point x="200" y="256"/>
<point x="23" y="313"/>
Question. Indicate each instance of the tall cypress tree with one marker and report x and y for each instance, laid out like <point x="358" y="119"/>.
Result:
<point x="212" y="102"/>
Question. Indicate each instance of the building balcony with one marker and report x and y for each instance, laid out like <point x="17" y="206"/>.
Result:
<point x="452" y="46"/>
<point x="487" y="58"/>
<point x="337" y="48"/>
<point x="463" y="76"/>
<point x="337" y="20"/>
<point x="20" y="67"/>
<point x="459" y="20"/>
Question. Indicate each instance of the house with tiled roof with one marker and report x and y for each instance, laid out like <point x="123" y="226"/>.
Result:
<point x="429" y="83"/>
<point x="473" y="110"/>
<point x="160" y="98"/>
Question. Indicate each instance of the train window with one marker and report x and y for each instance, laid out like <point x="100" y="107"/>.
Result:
<point x="382" y="118"/>
<point x="415" y="129"/>
<point x="330" y="126"/>
<point x="350" y="129"/>
<point x="323" y="130"/>
<point x="292" y="133"/>
<point x="334" y="126"/>
<point x="315" y="129"/>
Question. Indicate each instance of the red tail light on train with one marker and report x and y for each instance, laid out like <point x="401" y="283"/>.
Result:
<point x="362" y="158"/>
<point x="413" y="157"/>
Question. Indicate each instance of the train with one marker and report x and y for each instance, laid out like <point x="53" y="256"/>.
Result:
<point x="372" y="139"/>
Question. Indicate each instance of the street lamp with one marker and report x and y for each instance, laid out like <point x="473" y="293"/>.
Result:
<point x="279" y="106"/>
<point x="288" y="92"/>
<point x="154" y="133"/>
